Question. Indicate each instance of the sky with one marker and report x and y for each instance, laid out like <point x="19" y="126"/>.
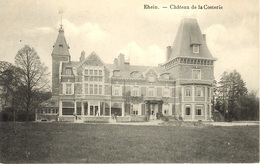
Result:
<point x="111" y="27"/>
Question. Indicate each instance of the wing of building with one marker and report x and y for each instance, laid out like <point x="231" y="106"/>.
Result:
<point x="92" y="90"/>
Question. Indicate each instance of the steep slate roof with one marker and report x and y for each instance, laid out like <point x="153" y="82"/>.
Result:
<point x="61" y="47"/>
<point x="188" y="34"/>
<point x="126" y="73"/>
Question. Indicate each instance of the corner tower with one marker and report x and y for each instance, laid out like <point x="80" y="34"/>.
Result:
<point x="59" y="54"/>
<point x="189" y="50"/>
<point x="192" y="65"/>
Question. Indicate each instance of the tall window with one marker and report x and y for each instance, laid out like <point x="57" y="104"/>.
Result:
<point x="135" y="91"/>
<point x="100" y="89"/>
<point x="116" y="90"/>
<point x="151" y="91"/>
<point x="93" y="89"/>
<point x="68" y="89"/>
<point x="196" y="74"/>
<point x="199" y="110"/>
<point x="86" y="89"/>
<point x="187" y="92"/>
<point x="95" y="75"/>
<point x="199" y="91"/>
<point x="187" y="110"/>
<point x="135" y="109"/>
<point x="166" y="92"/>
<point x="93" y="78"/>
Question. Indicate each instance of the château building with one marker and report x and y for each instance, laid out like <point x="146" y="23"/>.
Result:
<point x="92" y="90"/>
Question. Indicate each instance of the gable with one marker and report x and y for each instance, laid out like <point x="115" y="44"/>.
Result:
<point x="150" y="71"/>
<point x="93" y="60"/>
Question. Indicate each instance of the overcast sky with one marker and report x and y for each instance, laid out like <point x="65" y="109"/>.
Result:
<point x="112" y="27"/>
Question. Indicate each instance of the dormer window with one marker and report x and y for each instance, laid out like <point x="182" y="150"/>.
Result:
<point x="151" y="79"/>
<point x="134" y="74"/>
<point x="68" y="71"/>
<point x="196" y="48"/>
<point x="116" y="73"/>
<point x="166" y="76"/>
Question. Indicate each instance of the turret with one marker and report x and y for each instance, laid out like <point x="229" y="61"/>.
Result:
<point x="59" y="54"/>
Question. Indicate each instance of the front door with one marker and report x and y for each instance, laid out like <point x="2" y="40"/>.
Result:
<point x="154" y="111"/>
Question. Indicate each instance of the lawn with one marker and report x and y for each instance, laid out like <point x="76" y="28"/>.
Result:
<point x="64" y="142"/>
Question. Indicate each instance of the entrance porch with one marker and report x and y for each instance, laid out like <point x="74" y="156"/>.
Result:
<point x="154" y="109"/>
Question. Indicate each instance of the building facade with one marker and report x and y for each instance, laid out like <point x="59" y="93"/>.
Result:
<point x="90" y="89"/>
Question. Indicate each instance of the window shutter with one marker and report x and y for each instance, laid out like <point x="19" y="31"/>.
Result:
<point x="143" y="109"/>
<point x="113" y="90"/>
<point x="63" y="88"/>
<point x="72" y="88"/>
<point x="120" y="90"/>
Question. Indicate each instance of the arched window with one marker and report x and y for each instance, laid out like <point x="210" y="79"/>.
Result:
<point x="187" y="92"/>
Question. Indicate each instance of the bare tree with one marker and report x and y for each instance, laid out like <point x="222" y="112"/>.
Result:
<point x="33" y="77"/>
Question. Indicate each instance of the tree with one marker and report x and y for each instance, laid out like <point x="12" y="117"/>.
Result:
<point x="249" y="108"/>
<point x="230" y="91"/>
<point x="9" y="82"/>
<point x="33" y="78"/>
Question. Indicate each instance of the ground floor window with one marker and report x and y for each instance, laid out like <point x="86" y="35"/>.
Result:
<point x="135" y="109"/>
<point x="116" y="108"/>
<point x="78" y="104"/>
<point x="187" y="110"/>
<point x="104" y="109"/>
<point x="67" y="108"/>
<point x="85" y="105"/>
<point x="93" y="110"/>
<point x="199" y="110"/>
<point x="48" y="111"/>
<point x="166" y="109"/>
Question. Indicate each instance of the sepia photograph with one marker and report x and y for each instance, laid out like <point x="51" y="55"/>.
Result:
<point x="130" y="81"/>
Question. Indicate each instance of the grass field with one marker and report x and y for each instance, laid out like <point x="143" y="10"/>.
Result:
<point x="62" y="142"/>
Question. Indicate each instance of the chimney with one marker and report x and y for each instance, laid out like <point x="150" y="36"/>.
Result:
<point x="168" y="52"/>
<point x="116" y="61"/>
<point x="121" y="61"/>
<point x="82" y="56"/>
<point x="204" y="37"/>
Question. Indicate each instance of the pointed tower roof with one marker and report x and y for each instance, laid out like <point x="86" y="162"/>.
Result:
<point x="189" y="34"/>
<point x="61" y="47"/>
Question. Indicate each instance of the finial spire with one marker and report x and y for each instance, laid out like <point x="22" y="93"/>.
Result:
<point x="61" y="12"/>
